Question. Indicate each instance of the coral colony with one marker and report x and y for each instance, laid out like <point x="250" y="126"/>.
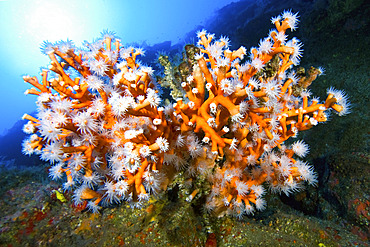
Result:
<point x="102" y="123"/>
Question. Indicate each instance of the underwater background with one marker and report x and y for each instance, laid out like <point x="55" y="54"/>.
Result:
<point x="335" y="35"/>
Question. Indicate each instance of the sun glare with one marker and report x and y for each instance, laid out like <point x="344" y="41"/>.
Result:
<point x="52" y="21"/>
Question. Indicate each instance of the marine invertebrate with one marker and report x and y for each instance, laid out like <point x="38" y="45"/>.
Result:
<point x="101" y="121"/>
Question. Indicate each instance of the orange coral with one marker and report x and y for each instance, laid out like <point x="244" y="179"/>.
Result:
<point x="101" y="123"/>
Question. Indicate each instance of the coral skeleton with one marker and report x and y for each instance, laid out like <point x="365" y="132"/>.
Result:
<point x="103" y="124"/>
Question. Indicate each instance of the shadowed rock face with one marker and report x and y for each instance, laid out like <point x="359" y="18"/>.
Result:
<point x="11" y="146"/>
